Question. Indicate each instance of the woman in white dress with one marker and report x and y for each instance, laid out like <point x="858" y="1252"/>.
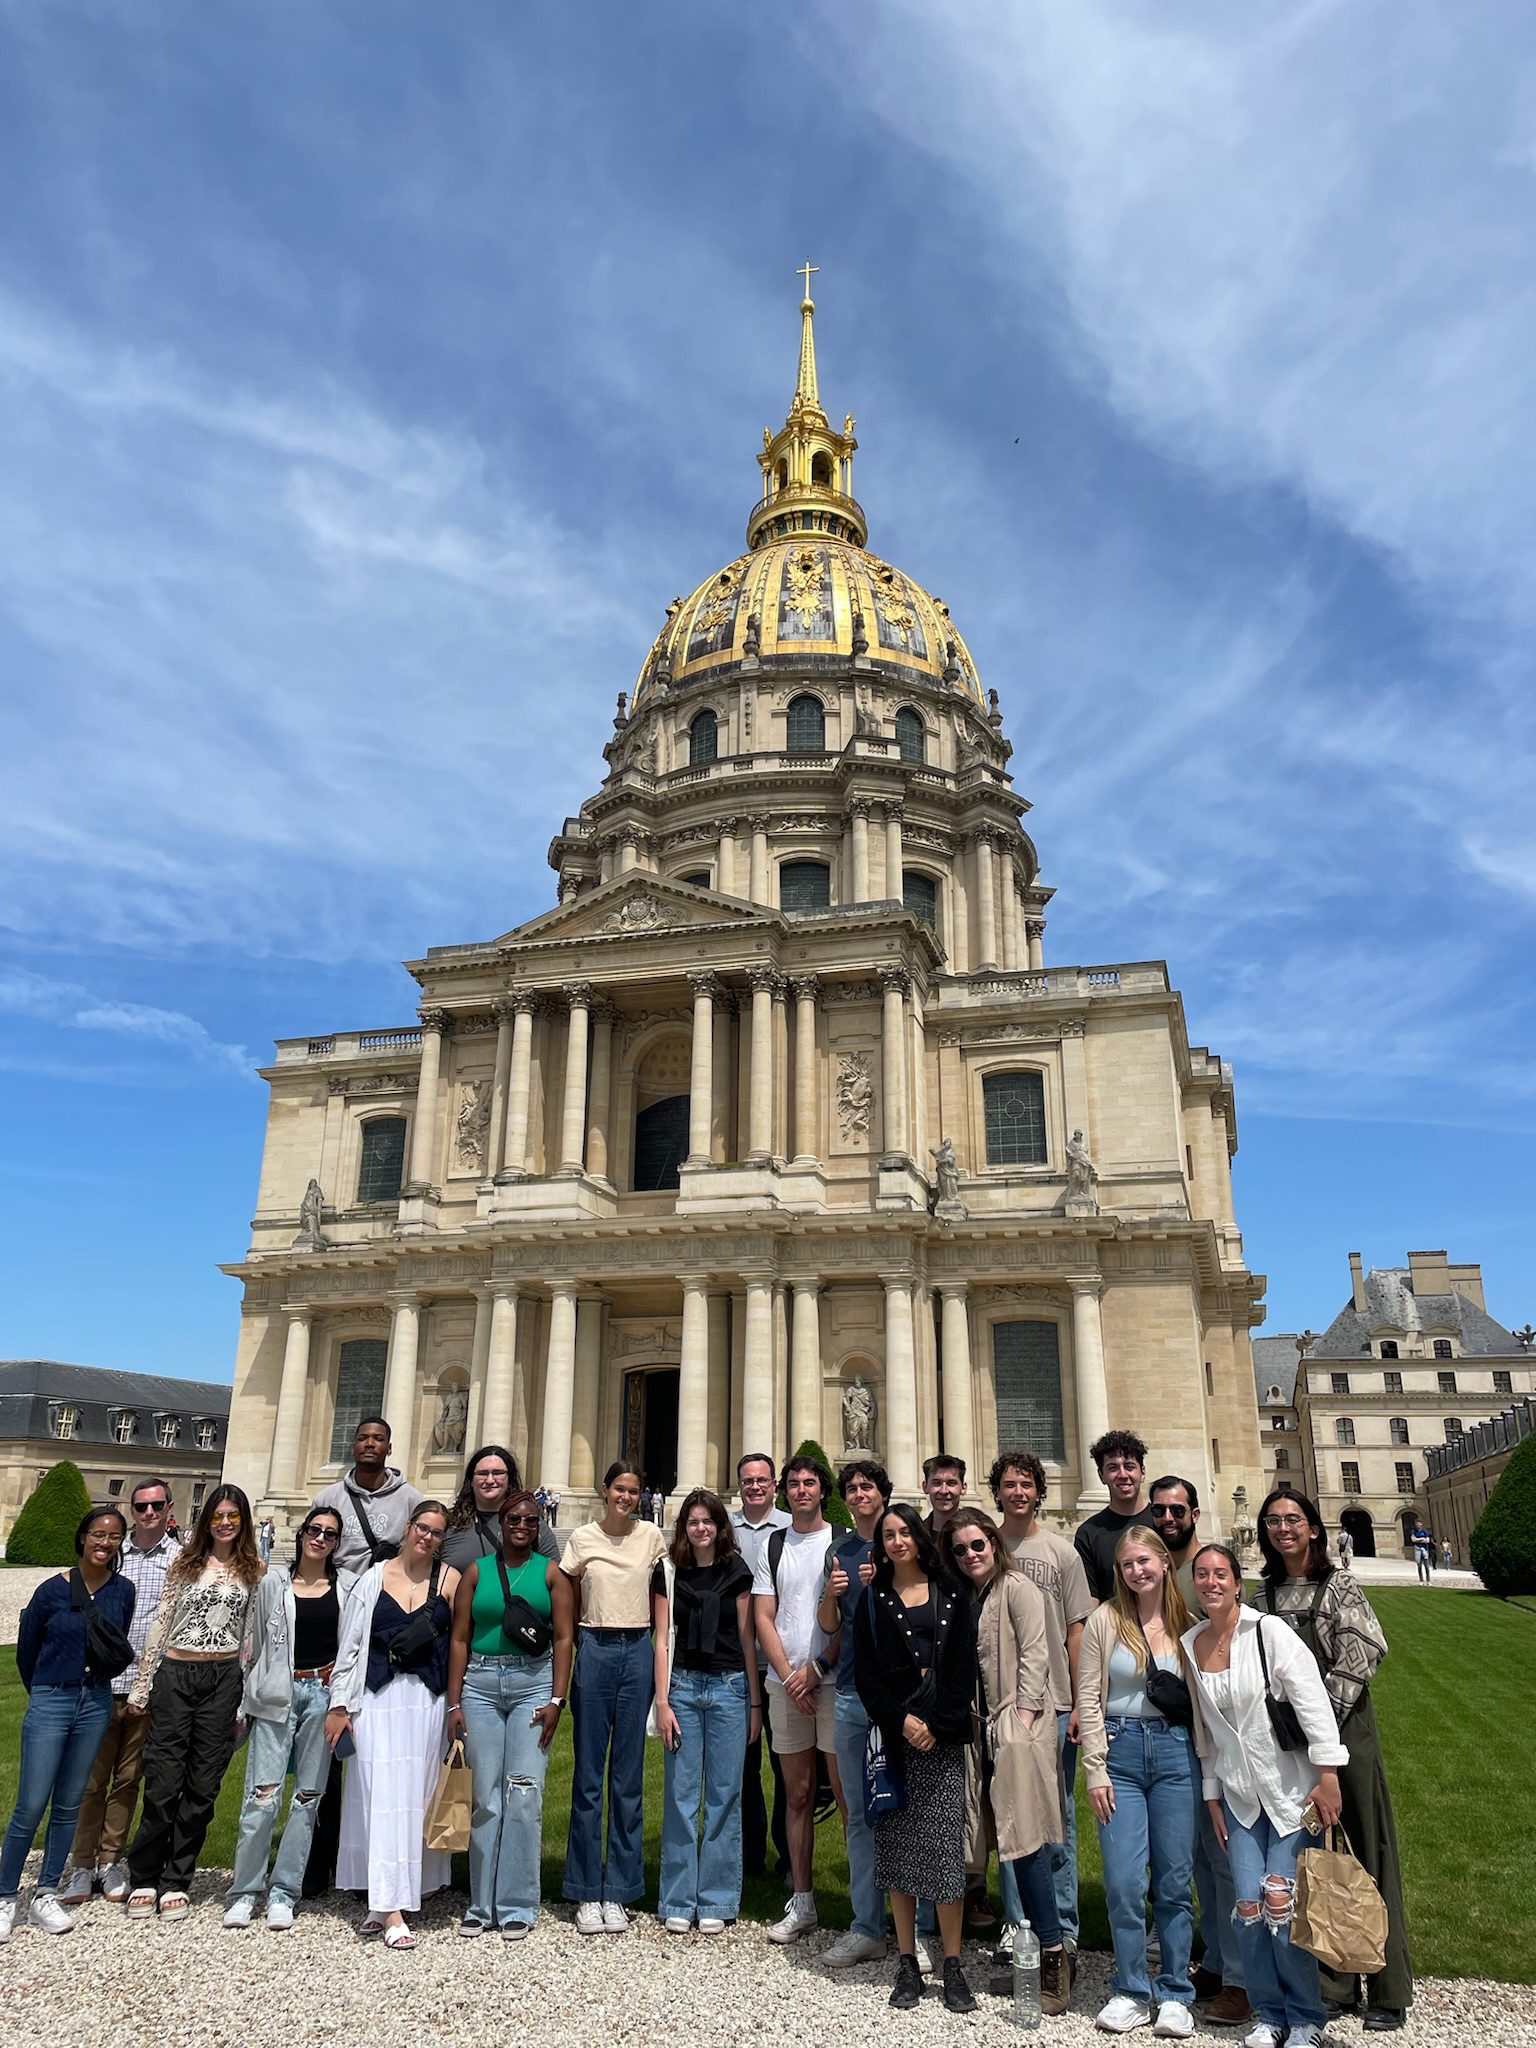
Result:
<point x="387" y="1691"/>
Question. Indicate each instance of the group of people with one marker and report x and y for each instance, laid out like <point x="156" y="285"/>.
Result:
<point x="935" y="1672"/>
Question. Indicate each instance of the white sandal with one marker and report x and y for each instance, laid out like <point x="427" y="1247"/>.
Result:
<point x="141" y="1903"/>
<point x="174" y="1905"/>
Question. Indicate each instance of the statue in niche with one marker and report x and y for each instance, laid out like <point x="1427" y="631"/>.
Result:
<point x="311" y="1213"/>
<point x="452" y="1420"/>
<point x="1082" y="1179"/>
<point x="947" y="1167"/>
<point x="858" y="1416"/>
<point x="474" y="1119"/>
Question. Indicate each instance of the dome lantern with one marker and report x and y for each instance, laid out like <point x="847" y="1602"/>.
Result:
<point x="807" y="465"/>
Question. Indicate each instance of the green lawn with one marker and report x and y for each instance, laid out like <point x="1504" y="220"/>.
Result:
<point x="1449" y="1699"/>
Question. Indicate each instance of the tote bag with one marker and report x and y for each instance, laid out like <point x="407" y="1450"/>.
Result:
<point x="1341" y="1918"/>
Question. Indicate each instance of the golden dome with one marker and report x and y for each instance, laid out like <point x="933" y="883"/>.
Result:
<point x="807" y="600"/>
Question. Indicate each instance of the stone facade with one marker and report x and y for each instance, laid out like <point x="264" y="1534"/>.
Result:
<point x="1464" y="1472"/>
<point x="655" y="1173"/>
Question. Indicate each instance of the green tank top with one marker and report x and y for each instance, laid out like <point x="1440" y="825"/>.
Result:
<point x="530" y="1582"/>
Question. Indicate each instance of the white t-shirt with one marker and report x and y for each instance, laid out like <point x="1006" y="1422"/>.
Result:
<point x="802" y="1570"/>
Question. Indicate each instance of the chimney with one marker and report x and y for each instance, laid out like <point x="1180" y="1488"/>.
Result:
<point x="1468" y="1280"/>
<point x="1357" y="1279"/>
<point x="1429" y="1273"/>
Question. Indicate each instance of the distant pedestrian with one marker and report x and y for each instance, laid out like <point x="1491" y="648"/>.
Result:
<point x="1346" y="1550"/>
<point x="647" y="1505"/>
<point x="267" y="1538"/>
<point x="1423" y="1541"/>
<point x="1446" y="1560"/>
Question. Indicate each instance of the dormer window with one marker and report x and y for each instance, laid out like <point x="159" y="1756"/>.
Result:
<point x="63" y="1418"/>
<point x="207" y="1434"/>
<point x="167" y="1431"/>
<point x="125" y="1425"/>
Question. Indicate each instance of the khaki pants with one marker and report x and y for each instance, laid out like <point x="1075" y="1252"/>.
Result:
<point x="106" y="1811"/>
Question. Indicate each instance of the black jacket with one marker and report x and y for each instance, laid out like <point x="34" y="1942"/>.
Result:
<point x="888" y="1677"/>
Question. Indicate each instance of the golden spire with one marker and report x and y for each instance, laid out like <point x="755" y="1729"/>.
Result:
<point x="805" y="384"/>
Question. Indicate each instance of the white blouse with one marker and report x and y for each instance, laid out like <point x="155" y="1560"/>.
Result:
<point x="1240" y="1758"/>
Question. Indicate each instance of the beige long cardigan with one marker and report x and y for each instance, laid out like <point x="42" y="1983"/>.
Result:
<point x="1024" y="1811"/>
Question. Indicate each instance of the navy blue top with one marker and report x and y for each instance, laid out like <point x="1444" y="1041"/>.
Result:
<point x="850" y="1554"/>
<point x="50" y="1642"/>
<point x="389" y="1617"/>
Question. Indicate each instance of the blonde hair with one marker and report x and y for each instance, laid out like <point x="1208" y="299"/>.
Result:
<point x="1176" y="1617"/>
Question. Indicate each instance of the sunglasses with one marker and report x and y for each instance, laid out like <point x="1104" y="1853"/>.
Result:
<point x="224" y="1521"/>
<point x="975" y="1549"/>
<point x="149" y="1507"/>
<point x="1169" y="1512"/>
<point x="323" y="1535"/>
<point x="522" y="1521"/>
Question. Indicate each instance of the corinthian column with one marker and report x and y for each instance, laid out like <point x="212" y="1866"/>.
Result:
<point x="955" y="1368"/>
<point x="984" y="939"/>
<point x="893" y="852"/>
<point x="604" y="1017"/>
<point x="725" y="858"/>
<point x="496" y="1130"/>
<point x="288" y="1426"/>
<point x="760" y="1100"/>
<point x="500" y="1365"/>
<point x="701" y="1069"/>
<point x="759" y="872"/>
<point x="1092" y="1394"/>
<point x="519" y="1079"/>
<point x="424" y="1137"/>
<point x="1035" y="927"/>
<point x="559" y="1387"/>
<point x="757" y="1369"/>
<point x="805" y="1367"/>
<point x="400" y="1377"/>
<point x="578" y="996"/>
<point x="859" y="811"/>
<point x="803" y="989"/>
<point x="900" y="1389"/>
<point x="893" y="1059"/>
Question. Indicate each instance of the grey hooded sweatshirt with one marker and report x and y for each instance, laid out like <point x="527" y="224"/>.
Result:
<point x="389" y="1510"/>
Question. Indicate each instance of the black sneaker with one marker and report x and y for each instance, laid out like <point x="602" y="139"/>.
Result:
<point x="909" y="1983"/>
<point x="957" y="1993"/>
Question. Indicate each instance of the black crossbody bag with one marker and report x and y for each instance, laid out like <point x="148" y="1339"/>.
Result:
<point x="108" y="1652"/>
<point x="1283" y="1718"/>
<point x="1166" y="1691"/>
<point x="379" y="1547"/>
<point x="520" y="1623"/>
<point x="414" y="1645"/>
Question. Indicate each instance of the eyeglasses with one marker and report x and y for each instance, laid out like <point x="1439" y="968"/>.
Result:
<point x="1166" y="1508"/>
<point x="224" y="1521"/>
<point x="323" y="1535"/>
<point x="974" y="1549"/>
<point x="149" y="1507"/>
<point x="1285" y="1521"/>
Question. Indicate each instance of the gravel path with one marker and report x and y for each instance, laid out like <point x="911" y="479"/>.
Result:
<point x="143" y="1985"/>
<point x="17" y="1586"/>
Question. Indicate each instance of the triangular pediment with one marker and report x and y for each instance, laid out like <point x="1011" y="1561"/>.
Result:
<point x="633" y="905"/>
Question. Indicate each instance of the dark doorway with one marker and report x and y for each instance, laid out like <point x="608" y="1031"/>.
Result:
<point x="650" y="1424"/>
<point x="661" y="1144"/>
<point x="1358" y="1523"/>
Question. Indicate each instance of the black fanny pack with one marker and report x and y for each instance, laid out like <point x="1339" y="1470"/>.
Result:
<point x="108" y="1652"/>
<point x="413" y="1646"/>
<point x="521" y="1624"/>
<point x="379" y="1547"/>
<point x="1166" y="1691"/>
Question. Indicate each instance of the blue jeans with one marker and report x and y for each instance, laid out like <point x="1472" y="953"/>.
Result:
<point x="1027" y="1888"/>
<point x="1282" y="1980"/>
<point x="1153" y="1824"/>
<point x="507" y="1766"/>
<point x="610" y="1697"/>
<point x="702" y="1874"/>
<point x="852" y="1730"/>
<point x="1213" y="1888"/>
<point x="1064" y="1852"/>
<point x="61" y="1732"/>
<point x="299" y="1739"/>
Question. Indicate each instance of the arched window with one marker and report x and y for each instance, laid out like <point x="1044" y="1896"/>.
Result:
<point x="805" y="726"/>
<point x="703" y="739"/>
<point x="383" y="1167"/>
<point x="911" y="738"/>
<point x="781" y="476"/>
<point x="1442" y="1347"/>
<point x="1026" y="1364"/>
<point x="359" y="1391"/>
<point x="661" y="1144"/>
<point x="920" y="897"/>
<point x="1014" y="1105"/>
<point x="821" y="470"/>
<point x="696" y="881"/>
<point x="805" y="885"/>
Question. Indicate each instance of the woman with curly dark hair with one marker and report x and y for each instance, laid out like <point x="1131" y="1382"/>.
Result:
<point x="1327" y="1608"/>
<point x="708" y="1707"/>
<point x="491" y="1477"/>
<point x="914" y="1663"/>
<point x="189" y="1684"/>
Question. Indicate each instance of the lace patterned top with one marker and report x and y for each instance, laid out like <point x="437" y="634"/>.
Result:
<point x="205" y="1616"/>
<point x="1348" y="1637"/>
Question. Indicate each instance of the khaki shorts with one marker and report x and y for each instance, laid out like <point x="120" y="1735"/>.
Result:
<point x="791" y="1732"/>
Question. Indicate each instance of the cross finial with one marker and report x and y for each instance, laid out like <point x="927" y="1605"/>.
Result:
<point x="808" y="271"/>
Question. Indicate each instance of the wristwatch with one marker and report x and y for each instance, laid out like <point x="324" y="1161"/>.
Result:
<point x="552" y="1701"/>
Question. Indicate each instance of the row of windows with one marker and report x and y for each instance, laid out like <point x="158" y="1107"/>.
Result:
<point x="805" y="732"/>
<point x="1406" y="1480"/>
<point x="64" y="1422"/>
<point x="115" y="1490"/>
<point x="1339" y="1381"/>
<point x="1442" y="1348"/>
<point x="1397" y="1425"/>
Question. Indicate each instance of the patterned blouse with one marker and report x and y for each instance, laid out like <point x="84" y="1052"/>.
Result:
<point x="1349" y="1637"/>
<point x="205" y="1615"/>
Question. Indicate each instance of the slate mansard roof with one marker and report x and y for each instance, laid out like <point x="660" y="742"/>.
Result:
<point x="1391" y="1305"/>
<point x="30" y="1386"/>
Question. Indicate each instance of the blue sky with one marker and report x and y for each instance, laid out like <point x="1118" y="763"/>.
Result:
<point x="371" y="376"/>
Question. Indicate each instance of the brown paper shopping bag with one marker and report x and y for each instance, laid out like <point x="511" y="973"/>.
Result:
<point x="447" y="1826"/>
<point x="1340" y="1917"/>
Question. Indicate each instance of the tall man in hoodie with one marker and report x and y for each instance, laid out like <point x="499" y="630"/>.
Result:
<point x="375" y="1501"/>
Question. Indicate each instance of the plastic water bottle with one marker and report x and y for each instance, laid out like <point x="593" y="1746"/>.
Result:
<point x="1026" y="1978"/>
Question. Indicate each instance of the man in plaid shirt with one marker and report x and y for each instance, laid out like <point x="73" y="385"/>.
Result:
<point x="106" y="1811"/>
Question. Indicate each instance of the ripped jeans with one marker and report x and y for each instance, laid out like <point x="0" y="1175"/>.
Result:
<point x="300" y="1738"/>
<point x="507" y="1766"/>
<point x="1281" y="1979"/>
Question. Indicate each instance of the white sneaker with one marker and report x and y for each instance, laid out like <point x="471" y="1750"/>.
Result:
<point x="114" y="1882"/>
<point x="589" y="1917"/>
<point x="80" y="1885"/>
<point x="7" y="1919"/>
<point x="1302" y="2037"/>
<point x="615" y="1919"/>
<point x="709" y="1925"/>
<point x="923" y="1956"/>
<point x="1175" y="2021"/>
<point x="799" y="1918"/>
<point x="853" y="1947"/>
<point x="1123" y="2015"/>
<point x="46" y="1913"/>
<point x="239" y="1912"/>
<point x="279" y="1913"/>
<point x="1262" y="2036"/>
<point x="676" y="1924"/>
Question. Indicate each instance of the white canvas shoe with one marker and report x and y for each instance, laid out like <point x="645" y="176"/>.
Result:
<point x="799" y="1918"/>
<point x="48" y="1915"/>
<point x="851" y="1948"/>
<point x="589" y="1917"/>
<point x="1123" y="2015"/>
<point x="615" y="1919"/>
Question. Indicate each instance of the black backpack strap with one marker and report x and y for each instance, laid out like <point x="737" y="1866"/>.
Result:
<point x="775" y="1552"/>
<point x="376" y="1549"/>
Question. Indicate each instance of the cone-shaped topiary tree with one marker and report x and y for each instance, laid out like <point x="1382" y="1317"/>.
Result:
<point x="44" y="1531"/>
<point x="836" y="1509"/>
<point x="1504" y="1542"/>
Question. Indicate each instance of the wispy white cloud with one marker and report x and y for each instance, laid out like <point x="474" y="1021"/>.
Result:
<point x="24" y="993"/>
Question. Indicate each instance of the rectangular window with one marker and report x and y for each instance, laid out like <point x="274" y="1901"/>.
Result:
<point x="168" y="1432"/>
<point x="1351" y="1477"/>
<point x="125" y="1425"/>
<point x="1394" y="1383"/>
<point x="1026" y="1364"/>
<point x="1277" y="1422"/>
<point x="1014" y="1108"/>
<point x="1344" y="1430"/>
<point x="1452" y="1427"/>
<point x="1503" y="1383"/>
<point x="382" y="1171"/>
<point x="1282" y="1461"/>
<point x="1447" y="1382"/>
<point x="114" y="1488"/>
<point x="64" y="1418"/>
<point x="1399" y="1429"/>
<point x="1210" y="1378"/>
<point x="920" y="896"/>
<point x="207" y="1435"/>
<point x="1340" y="1382"/>
<point x="1215" y="1453"/>
<point x="1388" y="1348"/>
<point x="1443" y="1347"/>
<point x="359" y="1391"/>
<point x="198" y="1491"/>
<point x="1404" y="1478"/>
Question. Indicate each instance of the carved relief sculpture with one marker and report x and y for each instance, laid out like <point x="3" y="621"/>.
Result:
<point x="855" y="1094"/>
<point x="471" y="1124"/>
